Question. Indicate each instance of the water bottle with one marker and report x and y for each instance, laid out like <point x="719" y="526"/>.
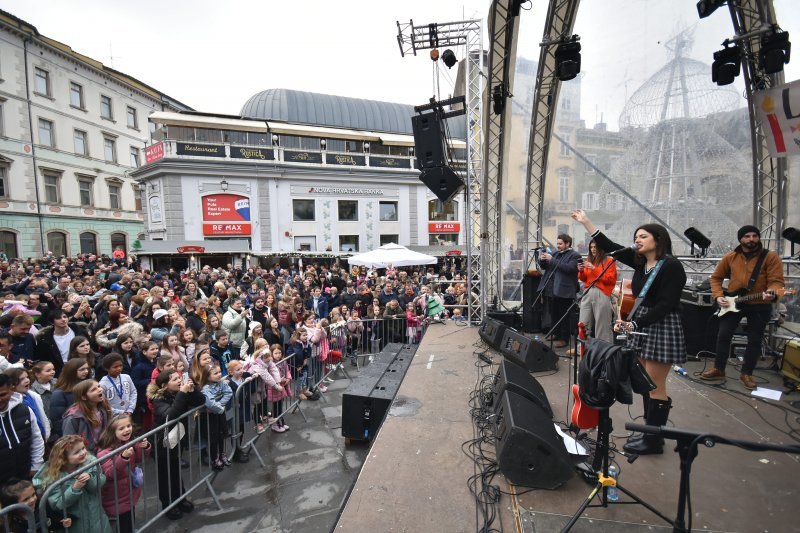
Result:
<point x="612" y="493"/>
<point x="679" y="370"/>
<point x="537" y="338"/>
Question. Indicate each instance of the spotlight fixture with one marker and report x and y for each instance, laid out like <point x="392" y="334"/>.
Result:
<point x="498" y="99"/>
<point x="275" y="140"/>
<point x="697" y="239"/>
<point x="706" y="7"/>
<point x="792" y="235"/>
<point x="434" y="54"/>
<point x="449" y="58"/>
<point x="223" y="184"/>
<point x="774" y="51"/>
<point x="568" y="59"/>
<point x="727" y="65"/>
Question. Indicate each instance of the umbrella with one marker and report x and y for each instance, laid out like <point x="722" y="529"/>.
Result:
<point x="393" y="254"/>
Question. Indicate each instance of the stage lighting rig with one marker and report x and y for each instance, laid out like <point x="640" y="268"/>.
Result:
<point x="727" y="65"/>
<point x="774" y="51"/>
<point x="449" y="58"/>
<point x="568" y="58"/>
<point x="792" y="235"/>
<point x="697" y="239"/>
<point x="498" y="99"/>
<point x="706" y="7"/>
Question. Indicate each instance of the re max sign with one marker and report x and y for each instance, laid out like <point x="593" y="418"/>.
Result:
<point x="779" y="112"/>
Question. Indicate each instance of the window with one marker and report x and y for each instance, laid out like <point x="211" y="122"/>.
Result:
<point x="41" y="82"/>
<point x="57" y="243"/>
<point x="106" y="110"/>
<point x="564" y="150"/>
<point x="3" y="181"/>
<point x="303" y="210"/>
<point x="133" y="120"/>
<point x="52" y="187"/>
<point x="88" y="243"/>
<point x="442" y="211"/>
<point x="119" y="239"/>
<point x="46" y="137"/>
<point x="110" y="149"/>
<point x="590" y="201"/>
<point x="114" y="192"/>
<point x="348" y="210"/>
<point x="81" y="143"/>
<point x="388" y="238"/>
<point x="8" y="244"/>
<point x="348" y="243"/>
<point x="134" y="157"/>
<point x="591" y="159"/>
<point x="137" y="196"/>
<point x="86" y="191"/>
<point x="563" y="189"/>
<point x="388" y="211"/>
<point x="441" y="239"/>
<point x="2" y="119"/>
<point x="76" y="95"/>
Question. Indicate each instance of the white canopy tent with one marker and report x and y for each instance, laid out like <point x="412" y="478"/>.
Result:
<point x="391" y="254"/>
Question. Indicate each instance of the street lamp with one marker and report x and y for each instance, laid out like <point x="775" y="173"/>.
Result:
<point x="223" y="185"/>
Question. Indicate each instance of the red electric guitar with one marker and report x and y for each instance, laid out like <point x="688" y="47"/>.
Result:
<point x="583" y="416"/>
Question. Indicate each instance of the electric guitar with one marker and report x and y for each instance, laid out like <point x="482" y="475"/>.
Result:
<point x="740" y="297"/>
<point x="583" y="416"/>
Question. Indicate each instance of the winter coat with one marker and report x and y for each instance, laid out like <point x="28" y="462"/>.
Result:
<point x="168" y="405"/>
<point x="270" y="375"/>
<point x="45" y="394"/>
<point x="34" y="401"/>
<point x="83" y="505"/>
<point x="122" y="493"/>
<point x="47" y="349"/>
<point x="610" y="373"/>
<point x="107" y="339"/>
<point x="75" y="423"/>
<point x="236" y="326"/>
<point x="59" y="404"/>
<point x="21" y="442"/>
<point x="140" y="375"/>
<point x="217" y="396"/>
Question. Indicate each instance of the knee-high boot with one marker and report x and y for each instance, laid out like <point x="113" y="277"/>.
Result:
<point x="657" y="415"/>
<point x="645" y="405"/>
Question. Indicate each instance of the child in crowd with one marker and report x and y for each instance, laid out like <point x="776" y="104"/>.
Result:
<point x="237" y="377"/>
<point x="217" y="394"/>
<point x="79" y="499"/>
<point x="22" y="491"/>
<point x="43" y="382"/>
<point x="413" y="323"/>
<point x="260" y="367"/>
<point x="300" y="350"/>
<point x="74" y="372"/>
<point x="123" y="472"/>
<point x="201" y="361"/>
<point x="221" y="351"/>
<point x="118" y="387"/>
<point x="90" y="414"/>
<point x="457" y="316"/>
<point x="163" y="363"/>
<point x="22" y="385"/>
<point x="141" y="374"/>
<point x="180" y="368"/>
<point x="277" y="394"/>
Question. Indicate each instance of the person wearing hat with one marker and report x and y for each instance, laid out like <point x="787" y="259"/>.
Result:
<point x="752" y="270"/>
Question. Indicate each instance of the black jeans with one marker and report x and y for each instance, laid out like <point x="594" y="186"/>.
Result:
<point x="757" y="317"/>
<point x="558" y="307"/>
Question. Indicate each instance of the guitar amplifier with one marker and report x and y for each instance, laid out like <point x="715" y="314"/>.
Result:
<point x="790" y="365"/>
<point x="699" y="298"/>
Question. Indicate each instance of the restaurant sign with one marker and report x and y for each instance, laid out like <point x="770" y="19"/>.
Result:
<point x="244" y="152"/>
<point x="346" y="159"/>
<point x="200" y="150"/>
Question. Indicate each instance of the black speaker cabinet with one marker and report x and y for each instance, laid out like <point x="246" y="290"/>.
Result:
<point x="428" y="141"/>
<point x="533" y="315"/>
<point x="529" y="451"/>
<point x="491" y="332"/>
<point x="516" y="379"/>
<point x="528" y="353"/>
<point x="699" y="328"/>
<point x="442" y="182"/>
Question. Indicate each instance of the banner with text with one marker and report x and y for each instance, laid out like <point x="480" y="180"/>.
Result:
<point x="225" y="212"/>
<point x="779" y="111"/>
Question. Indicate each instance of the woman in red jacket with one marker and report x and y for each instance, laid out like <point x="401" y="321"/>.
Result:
<point x="597" y="313"/>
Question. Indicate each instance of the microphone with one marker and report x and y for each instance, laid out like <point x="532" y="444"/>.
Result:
<point x="615" y="253"/>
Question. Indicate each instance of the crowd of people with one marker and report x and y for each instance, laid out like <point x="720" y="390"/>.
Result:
<point x="94" y="350"/>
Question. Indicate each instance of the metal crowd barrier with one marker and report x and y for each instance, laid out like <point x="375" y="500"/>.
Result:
<point x="6" y="513"/>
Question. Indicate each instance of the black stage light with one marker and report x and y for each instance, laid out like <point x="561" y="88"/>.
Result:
<point x="792" y="235"/>
<point x="498" y="99"/>
<point x="706" y="7"/>
<point x="774" y="51"/>
<point x="449" y="58"/>
<point x="698" y="239"/>
<point x="727" y="65"/>
<point x="568" y="59"/>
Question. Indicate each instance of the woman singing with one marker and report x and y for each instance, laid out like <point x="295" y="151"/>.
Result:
<point x="597" y="313"/>
<point x="662" y="344"/>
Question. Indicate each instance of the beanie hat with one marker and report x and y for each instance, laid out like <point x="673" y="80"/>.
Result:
<point x="744" y="230"/>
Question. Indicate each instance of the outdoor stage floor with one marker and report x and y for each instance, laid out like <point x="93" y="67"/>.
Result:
<point x="415" y="475"/>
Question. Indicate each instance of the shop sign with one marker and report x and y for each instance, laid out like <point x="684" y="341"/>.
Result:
<point x="346" y="159"/>
<point x="453" y="253"/>
<point x="293" y="156"/>
<point x="200" y="150"/>
<point x="226" y="207"/>
<point x="154" y="152"/>
<point x="227" y="228"/>
<point x="389" y="162"/>
<point x="444" y="227"/>
<point x="345" y="191"/>
<point x="191" y="249"/>
<point x="244" y="152"/>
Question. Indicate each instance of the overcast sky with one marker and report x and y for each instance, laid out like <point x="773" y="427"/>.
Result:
<point x="214" y="55"/>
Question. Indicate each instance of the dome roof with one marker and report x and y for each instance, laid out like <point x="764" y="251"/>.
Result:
<point x="315" y="109"/>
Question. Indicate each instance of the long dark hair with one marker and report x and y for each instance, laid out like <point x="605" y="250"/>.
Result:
<point x="598" y="258"/>
<point x="661" y="236"/>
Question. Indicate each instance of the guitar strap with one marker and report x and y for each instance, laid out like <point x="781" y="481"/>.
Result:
<point x="647" y="284"/>
<point x="756" y="270"/>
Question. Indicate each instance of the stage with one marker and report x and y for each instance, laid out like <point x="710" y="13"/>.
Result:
<point x="415" y="475"/>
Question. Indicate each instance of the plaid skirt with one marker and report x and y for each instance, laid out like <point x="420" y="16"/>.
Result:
<point x="664" y="342"/>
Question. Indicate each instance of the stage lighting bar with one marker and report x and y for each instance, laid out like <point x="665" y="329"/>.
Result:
<point x="727" y="65"/>
<point x="774" y="51"/>
<point x="698" y="239"/>
<point x="568" y="59"/>
<point x="706" y="7"/>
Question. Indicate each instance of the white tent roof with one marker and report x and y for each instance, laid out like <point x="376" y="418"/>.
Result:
<point x="391" y="254"/>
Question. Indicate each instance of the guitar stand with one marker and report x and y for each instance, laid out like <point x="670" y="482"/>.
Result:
<point x="600" y="466"/>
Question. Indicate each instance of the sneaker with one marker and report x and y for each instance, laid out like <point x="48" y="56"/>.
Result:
<point x="322" y="388"/>
<point x="218" y="465"/>
<point x="278" y="429"/>
<point x="328" y="380"/>
<point x="314" y="397"/>
<point x="259" y="428"/>
<point x="285" y="427"/>
<point x="186" y="506"/>
<point x="241" y="457"/>
<point x="747" y="381"/>
<point x="712" y="374"/>
<point x="224" y="460"/>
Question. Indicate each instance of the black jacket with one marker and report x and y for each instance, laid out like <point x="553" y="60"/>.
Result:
<point x="608" y="373"/>
<point x="47" y="349"/>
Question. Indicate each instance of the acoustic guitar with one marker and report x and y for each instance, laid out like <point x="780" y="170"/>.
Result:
<point x="625" y="299"/>
<point x="583" y="416"/>
<point x="740" y="297"/>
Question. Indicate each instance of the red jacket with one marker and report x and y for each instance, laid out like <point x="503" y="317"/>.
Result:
<point x="126" y="494"/>
<point x="606" y="283"/>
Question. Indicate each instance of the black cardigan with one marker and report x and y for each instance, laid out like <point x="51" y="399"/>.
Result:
<point x="665" y="292"/>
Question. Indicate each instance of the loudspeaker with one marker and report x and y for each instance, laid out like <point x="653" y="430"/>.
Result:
<point x="529" y="451"/>
<point x="516" y="379"/>
<point x="700" y="328"/>
<point x="442" y="182"/>
<point x="429" y="145"/>
<point x="533" y="317"/>
<point x="528" y="353"/>
<point x="510" y="318"/>
<point x="492" y="332"/>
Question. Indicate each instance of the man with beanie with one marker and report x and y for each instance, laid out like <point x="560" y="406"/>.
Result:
<point x="752" y="270"/>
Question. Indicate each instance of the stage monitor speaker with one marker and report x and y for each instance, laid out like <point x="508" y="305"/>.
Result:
<point x="511" y="319"/>
<point x="529" y="451"/>
<point x="516" y="379"/>
<point x="528" y="353"/>
<point x="533" y="316"/>
<point x="429" y="145"/>
<point x="492" y="332"/>
<point x="442" y="182"/>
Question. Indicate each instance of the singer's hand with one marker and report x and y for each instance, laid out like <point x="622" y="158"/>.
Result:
<point x="579" y="215"/>
<point x="621" y="326"/>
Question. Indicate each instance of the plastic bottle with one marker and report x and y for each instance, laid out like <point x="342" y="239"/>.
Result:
<point x="612" y="493"/>
<point x="679" y="370"/>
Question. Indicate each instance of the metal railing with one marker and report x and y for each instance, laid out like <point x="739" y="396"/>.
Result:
<point x="8" y="514"/>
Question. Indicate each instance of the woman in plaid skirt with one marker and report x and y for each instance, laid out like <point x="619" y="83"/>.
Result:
<point x="657" y="317"/>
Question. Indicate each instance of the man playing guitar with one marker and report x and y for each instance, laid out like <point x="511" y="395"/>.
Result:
<point x="751" y="269"/>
